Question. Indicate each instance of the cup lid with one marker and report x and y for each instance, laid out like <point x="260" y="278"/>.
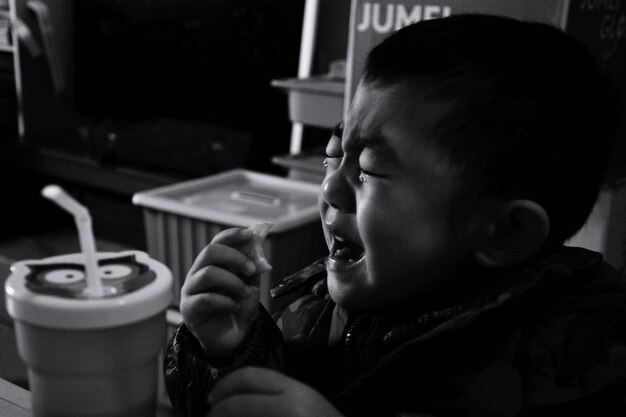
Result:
<point x="49" y="310"/>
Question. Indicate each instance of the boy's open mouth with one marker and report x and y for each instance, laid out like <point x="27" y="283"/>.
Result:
<point x="344" y="251"/>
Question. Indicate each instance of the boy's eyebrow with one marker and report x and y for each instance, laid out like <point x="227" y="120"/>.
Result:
<point x="378" y="144"/>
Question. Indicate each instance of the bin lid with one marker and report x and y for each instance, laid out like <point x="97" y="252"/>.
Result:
<point x="315" y="85"/>
<point x="238" y="198"/>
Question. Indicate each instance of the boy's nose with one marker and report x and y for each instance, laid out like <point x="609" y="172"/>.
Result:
<point x="337" y="192"/>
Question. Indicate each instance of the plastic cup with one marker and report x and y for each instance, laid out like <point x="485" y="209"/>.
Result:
<point x="91" y="356"/>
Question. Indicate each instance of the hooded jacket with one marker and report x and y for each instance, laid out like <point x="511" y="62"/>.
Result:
<point x="549" y="340"/>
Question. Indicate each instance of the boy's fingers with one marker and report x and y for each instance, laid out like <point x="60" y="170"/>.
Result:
<point x="201" y="306"/>
<point x="264" y="392"/>
<point x="233" y="236"/>
<point x="249" y="380"/>
<point x="249" y="405"/>
<point x="215" y="279"/>
<point x="225" y="256"/>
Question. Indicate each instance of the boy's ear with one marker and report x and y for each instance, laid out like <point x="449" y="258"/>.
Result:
<point x="516" y="233"/>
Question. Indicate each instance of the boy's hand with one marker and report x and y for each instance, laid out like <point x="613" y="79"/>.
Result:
<point x="256" y="392"/>
<point x="220" y="296"/>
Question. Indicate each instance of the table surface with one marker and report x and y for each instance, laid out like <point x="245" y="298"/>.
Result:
<point x="15" y="402"/>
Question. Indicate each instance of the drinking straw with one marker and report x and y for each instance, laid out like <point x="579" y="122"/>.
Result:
<point x="85" y="236"/>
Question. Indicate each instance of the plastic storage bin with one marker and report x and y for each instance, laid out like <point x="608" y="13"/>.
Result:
<point x="180" y="219"/>
<point x="316" y="101"/>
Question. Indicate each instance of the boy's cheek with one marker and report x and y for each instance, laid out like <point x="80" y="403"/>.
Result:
<point x="322" y="209"/>
<point x="327" y="236"/>
<point x="321" y="203"/>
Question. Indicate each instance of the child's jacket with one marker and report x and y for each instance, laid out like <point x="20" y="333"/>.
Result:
<point x="549" y="341"/>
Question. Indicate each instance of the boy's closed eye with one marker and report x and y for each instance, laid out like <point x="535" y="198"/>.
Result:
<point x="370" y="164"/>
<point x="334" y="153"/>
<point x="333" y="162"/>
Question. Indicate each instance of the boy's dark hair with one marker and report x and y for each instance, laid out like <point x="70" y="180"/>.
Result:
<point x="533" y="116"/>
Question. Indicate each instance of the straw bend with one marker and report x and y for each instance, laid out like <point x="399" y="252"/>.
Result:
<point x="65" y="201"/>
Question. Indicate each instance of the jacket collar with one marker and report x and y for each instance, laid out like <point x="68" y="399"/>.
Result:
<point x="554" y="273"/>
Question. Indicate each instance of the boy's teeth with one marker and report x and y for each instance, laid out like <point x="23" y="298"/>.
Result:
<point x="341" y="249"/>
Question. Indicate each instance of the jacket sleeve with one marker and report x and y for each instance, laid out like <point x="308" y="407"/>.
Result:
<point x="189" y="376"/>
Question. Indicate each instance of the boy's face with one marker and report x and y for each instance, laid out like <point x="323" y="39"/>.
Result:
<point x="391" y="220"/>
